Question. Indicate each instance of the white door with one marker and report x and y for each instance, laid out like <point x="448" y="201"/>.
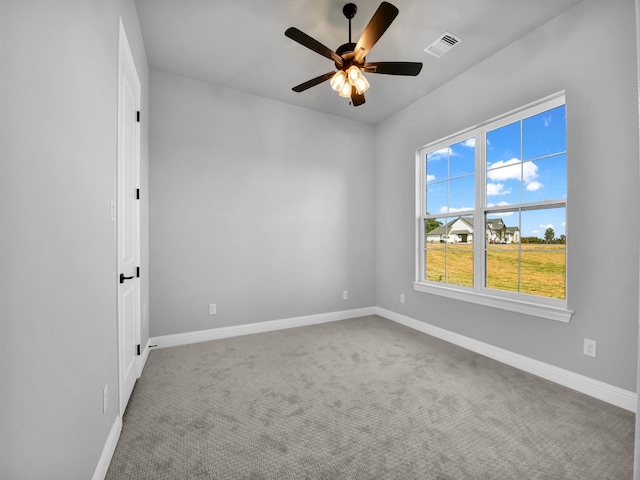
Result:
<point x="128" y="215"/>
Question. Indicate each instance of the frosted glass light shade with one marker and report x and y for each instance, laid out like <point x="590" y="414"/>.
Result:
<point x="362" y="85"/>
<point x="353" y="73"/>
<point x="345" y="91"/>
<point x="338" y="80"/>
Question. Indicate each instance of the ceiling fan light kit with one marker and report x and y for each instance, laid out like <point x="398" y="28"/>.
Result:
<point x="350" y="58"/>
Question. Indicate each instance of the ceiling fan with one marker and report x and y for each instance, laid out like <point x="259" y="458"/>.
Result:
<point x="349" y="58"/>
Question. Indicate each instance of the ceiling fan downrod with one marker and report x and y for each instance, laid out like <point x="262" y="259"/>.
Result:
<point x="349" y="11"/>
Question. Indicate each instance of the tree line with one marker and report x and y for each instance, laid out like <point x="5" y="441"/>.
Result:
<point x="549" y="238"/>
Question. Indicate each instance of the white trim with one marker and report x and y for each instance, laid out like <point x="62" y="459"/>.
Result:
<point x="594" y="388"/>
<point x="542" y="310"/>
<point x="107" y="452"/>
<point x="259" y="327"/>
<point x="142" y="359"/>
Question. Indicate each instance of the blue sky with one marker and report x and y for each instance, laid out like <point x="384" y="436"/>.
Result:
<point x="526" y="162"/>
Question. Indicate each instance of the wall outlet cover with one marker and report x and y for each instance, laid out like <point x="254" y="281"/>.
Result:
<point x="589" y="347"/>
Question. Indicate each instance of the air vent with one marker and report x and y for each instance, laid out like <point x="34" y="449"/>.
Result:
<point x="443" y="44"/>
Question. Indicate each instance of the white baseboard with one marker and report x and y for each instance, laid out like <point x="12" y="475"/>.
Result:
<point x="260" y="327"/>
<point x="107" y="452"/>
<point x="594" y="388"/>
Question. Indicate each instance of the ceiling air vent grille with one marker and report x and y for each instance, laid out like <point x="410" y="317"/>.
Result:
<point x="443" y="44"/>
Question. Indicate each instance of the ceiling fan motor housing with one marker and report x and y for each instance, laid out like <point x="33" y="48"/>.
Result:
<point x="346" y="52"/>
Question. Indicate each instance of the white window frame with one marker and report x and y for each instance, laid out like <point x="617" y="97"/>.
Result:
<point x="538" y="306"/>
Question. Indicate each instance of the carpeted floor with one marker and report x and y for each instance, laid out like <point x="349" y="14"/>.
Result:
<point x="360" y="399"/>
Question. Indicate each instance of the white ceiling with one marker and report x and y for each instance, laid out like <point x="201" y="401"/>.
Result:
<point x="240" y="44"/>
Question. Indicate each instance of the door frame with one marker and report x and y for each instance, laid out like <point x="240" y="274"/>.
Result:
<point x="125" y="59"/>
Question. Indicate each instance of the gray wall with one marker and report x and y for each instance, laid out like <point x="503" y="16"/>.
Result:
<point x="263" y="208"/>
<point x="574" y="52"/>
<point x="58" y="100"/>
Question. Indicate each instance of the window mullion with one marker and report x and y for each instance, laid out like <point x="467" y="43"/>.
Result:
<point x="479" y="236"/>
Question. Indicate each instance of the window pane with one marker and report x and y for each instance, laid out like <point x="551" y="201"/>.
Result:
<point x="545" y="133"/>
<point x="504" y="184"/>
<point x="503" y="230"/>
<point x="449" y="250"/>
<point x="433" y="229"/>
<point x="461" y="230"/>
<point x="462" y="160"/>
<point x="548" y="179"/>
<point x="435" y="249"/>
<point x="462" y="194"/>
<point x="436" y="255"/>
<point x="460" y="264"/>
<point x="437" y="196"/>
<point x="503" y="144"/>
<point x="502" y="269"/>
<point x="543" y="253"/>
<point x="437" y="166"/>
<point x="543" y="270"/>
<point x="543" y="226"/>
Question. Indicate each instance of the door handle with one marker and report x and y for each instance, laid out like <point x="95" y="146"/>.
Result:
<point x="123" y="278"/>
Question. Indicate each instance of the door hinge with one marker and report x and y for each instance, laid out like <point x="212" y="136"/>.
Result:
<point x="138" y="272"/>
<point x="138" y="116"/>
<point x="138" y="349"/>
<point x="137" y="194"/>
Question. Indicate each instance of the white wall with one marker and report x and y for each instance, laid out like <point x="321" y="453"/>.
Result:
<point x="590" y="51"/>
<point x="263" y="208"/>
<point x="58" y="100"/>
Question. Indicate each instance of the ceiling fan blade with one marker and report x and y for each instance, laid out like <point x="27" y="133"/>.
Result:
<point x="311" y="43"/>
<point x="313" y="82"/>
<point x="393" y="68"/>
<point x="356" y="99"/>
<point x="378" y="24"/>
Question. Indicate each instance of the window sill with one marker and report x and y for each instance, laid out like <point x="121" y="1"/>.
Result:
<point x="549" y="312"/>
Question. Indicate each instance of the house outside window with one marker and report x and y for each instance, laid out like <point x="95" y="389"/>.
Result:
<point x="492" y="212"/>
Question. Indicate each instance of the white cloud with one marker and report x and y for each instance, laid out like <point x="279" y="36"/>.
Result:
<point x="535" y="232"/>
<point x="430" y="178"/>
<point x="497" y="189"/>
<point x="471" y="142"/>
<point x="547" y="120"/>
<point x="510" y="170"/>
<point x="499" y="204"/>
<point x="454" y="210"/>
<point x="548" y="225"/>
<point x="563" y="224"/>
<point x="533" y="186"/>
<point x="441" y="154"/>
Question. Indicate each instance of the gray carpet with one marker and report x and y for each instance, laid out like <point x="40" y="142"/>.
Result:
<point x="360" y="399"/>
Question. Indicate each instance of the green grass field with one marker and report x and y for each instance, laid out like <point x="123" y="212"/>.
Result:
<point x="542" y="267"/>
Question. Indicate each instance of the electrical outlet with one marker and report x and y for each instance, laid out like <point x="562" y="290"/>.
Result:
<point x="105" y="398"/>
<point x="589" y="347"/>
<point x="212" y="309"/>
<point x="345" y="295"/>
<point x="402" y="298"/>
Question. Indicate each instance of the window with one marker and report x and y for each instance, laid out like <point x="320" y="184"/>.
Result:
<point x="492" y="219"/>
